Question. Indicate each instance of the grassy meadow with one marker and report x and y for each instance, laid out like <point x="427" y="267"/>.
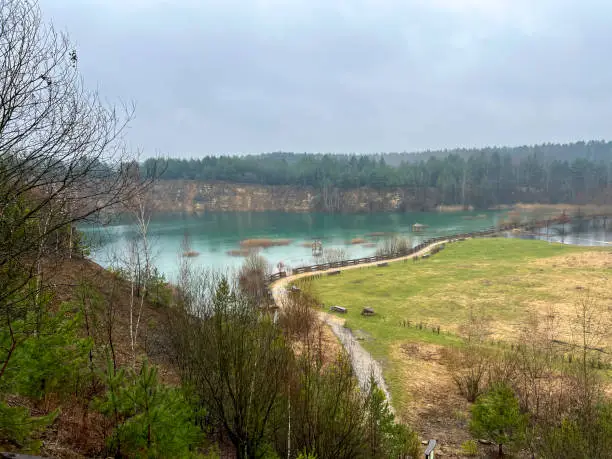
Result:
<point x="507" y="283"/>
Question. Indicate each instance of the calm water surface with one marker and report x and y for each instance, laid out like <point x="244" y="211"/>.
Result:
<point x="214" y="234"/>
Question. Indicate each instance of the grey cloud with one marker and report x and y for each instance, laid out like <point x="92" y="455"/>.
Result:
<point x="364" y="76"/>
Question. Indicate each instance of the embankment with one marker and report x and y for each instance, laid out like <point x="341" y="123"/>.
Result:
<point x="197" y="196"/>
<point x="193" y="196"/>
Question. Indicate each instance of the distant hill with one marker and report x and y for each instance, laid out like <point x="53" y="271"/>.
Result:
<point x="578" y="173"/>
<point x="593" y="150"/>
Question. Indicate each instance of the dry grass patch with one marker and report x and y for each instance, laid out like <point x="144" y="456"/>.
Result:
<point x="580" y="260"/>
<point x="239" y="252"/>
<point x="263" y="243"/>
<point x="568" y="208"/>
<point x="430" y="402"/>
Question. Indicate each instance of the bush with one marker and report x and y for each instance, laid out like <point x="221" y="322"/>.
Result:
<point x="333" y="256"/>
<point x="496" y="417"/>
<point x="469" y="448"/>
<point x="44" y="356"/>
<point x="394" y="245"/>
<point x="468" y="370"/>
<point x="253" y="278"/>
<point x="404" y="442"/>
<point x="578" y="438"/>
<point x="52" y="361"/>
<point x="159" y="292"/>
<point x="19" y="429"/>
<point x="149" y="418"/>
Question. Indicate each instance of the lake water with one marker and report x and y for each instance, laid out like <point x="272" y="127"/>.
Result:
<point x="213" y="235"/>
<point x="578" y="232"/>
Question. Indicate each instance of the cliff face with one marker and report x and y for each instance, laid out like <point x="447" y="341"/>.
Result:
<point x="193" y="196"/>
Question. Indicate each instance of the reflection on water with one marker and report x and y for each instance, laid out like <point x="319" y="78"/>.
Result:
<point x="213" y="235"/>
<point x="577" y="232"/>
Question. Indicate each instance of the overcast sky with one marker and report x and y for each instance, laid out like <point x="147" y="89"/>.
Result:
<point x="249" y="76"/>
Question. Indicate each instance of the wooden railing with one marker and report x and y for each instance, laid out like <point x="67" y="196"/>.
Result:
<point x="404" y="253"/>
<point x="377" y="258"/>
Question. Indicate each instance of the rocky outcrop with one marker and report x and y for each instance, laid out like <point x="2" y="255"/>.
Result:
<point x="194" y="196"/>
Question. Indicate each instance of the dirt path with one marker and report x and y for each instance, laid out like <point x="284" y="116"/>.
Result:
<point x="363" y="363"/>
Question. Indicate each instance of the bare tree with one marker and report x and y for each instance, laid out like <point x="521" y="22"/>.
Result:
<point x="62" y="156"/>
<point x="394" y="245"/>
<point x="333" y="255"/>
<point x="139" y="268"/>
<point x="589" y="327"/>
<point x="236" y="361"/>
<point x="253" y="278"/>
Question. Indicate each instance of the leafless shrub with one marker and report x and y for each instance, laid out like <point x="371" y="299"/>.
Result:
<point x="469" y="367"/>
<point x="298" y="317"/>
<point x="253" y="278"/>
<point x="393" y="245"/>
<point x="333" y="255"/>
<point x="589" y="326"/>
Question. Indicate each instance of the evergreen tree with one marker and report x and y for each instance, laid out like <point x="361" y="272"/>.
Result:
<point x="496" y="416"/>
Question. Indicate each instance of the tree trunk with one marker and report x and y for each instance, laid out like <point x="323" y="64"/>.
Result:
<point x="501" y="451"/>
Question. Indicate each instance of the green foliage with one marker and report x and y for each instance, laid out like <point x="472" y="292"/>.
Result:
<point x="236" y="361"/>
<point x="53" y="360"/>
<point x="150" y="419"/>
<point x="329" y="414"/>
<point x="47" y="357"/>
<point x="159" y="292"/>
<point x="306" y="455"/>
<point x="404" y="442"/>
<point x="386" y="438"/>
<point x="566" y="440"/>
<point x="496" y="416"/>
<point x="480" y="177"/>
<point x="380" y="422"/>
<point x="580" y="438"/>
<point x="266" y="451"/>
<point x="469" y="448"/>
<point x="80" y="244"/>
<point x="20" y="429"/>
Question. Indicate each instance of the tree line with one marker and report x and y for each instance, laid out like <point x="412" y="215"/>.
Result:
<point x="482" y="179"/>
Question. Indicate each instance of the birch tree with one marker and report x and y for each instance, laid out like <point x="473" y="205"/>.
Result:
<point x="63" y="160"/>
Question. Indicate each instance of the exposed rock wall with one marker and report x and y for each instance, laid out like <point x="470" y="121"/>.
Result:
<point x="193" y="196"/>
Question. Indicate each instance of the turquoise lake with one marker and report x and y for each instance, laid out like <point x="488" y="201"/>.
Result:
<point x="213" y="235"/>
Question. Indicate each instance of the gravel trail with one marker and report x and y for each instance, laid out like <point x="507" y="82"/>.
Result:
<point x="363" y="363"/>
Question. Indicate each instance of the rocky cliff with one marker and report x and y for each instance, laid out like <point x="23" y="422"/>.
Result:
<point x="194" y="196"/>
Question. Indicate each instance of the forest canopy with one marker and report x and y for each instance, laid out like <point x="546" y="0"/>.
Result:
<point x="480" y="177"/>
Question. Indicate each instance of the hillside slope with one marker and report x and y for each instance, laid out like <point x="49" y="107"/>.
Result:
<point x="103" y="298"/>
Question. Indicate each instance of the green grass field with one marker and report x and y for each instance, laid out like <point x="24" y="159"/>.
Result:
<point x="503" y="280"/>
